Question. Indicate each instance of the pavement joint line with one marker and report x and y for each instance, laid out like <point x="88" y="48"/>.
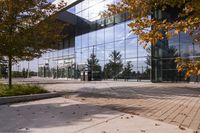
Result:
<point x="99" y="123"/>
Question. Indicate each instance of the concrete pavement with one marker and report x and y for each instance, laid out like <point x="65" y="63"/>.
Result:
<point x="61" y="115"/>
<point x="172" y="103"/>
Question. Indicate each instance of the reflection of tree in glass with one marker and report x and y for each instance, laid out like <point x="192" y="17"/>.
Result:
<point x="93" y="66"/>
<point x="127" y="72"/>
<point x="114" y="67"/>
<point x="169" y="64"/>
<point x="167" y="60"/>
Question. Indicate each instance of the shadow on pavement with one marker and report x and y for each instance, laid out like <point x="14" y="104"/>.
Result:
<point x="136" y="92"/>
<point x="22" y="117"/>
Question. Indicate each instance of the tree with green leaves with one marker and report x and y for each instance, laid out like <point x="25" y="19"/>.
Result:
<point x="156" y="20"/>
<point x="28" y="29"/>
<point x="115" y="66"/>
<point x="94" y="67"/>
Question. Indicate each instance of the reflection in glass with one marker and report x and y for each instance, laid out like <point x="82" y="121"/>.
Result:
<point x="120" y="32"/>
<point x="109" y="34"/>
<point x="100" y="36"/>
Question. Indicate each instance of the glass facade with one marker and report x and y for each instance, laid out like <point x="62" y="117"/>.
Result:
<point x="101" y="37"/>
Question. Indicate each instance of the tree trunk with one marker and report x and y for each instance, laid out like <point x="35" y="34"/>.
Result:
<point x="10" y="72"/>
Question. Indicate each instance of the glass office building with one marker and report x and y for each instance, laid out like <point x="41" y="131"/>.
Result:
<point x="89" y="34"/>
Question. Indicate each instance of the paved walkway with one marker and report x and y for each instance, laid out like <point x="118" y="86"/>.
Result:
<point x="61" y="115"/>
<point x="173" y="103"/>
<point x="177" y="104"/>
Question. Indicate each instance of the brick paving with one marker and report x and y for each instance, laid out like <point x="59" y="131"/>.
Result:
<point x="175" y="105"/>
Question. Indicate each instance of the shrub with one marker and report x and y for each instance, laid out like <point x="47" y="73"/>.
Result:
<point x="20" y="90"/>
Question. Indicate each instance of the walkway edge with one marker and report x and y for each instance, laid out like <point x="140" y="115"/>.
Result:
<point x="26" y="98"/>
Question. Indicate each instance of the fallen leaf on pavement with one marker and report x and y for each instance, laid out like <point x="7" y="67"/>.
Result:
<point x="182" y="128"/>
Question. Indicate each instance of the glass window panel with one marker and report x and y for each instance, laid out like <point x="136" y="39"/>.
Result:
<point x="174" y="42"/>
<point x="100" y="23"/>
<point x="80" y="15"/>
<point x="78" y="56"/>
<point x="110" y="20"/>
<point x="55" y="54"/>
<point x="95" y="10"/>
<point x="128" y="33"/>
<point x="60" y="53"/>
<point x="85" y="4"/>
<point x="141" y="51"/>
<point x="197" y="50"/>
<point x="92" y="50"/>
<point x="109" y="48"/>
<point x="142" y="64"/>
<point x="92" y="38"/>
<point x="100" y="36"/>
<point x="71" y="51"/>
<point x="72" y="10"/>
<point x="109" y="34"/>
<point x="65" y="52"/>
<point x="186" y="45"/>
<point x="85" y="55"/>
<point x="78" y="7"/>
<point x="93" y="2"/>
<point x="100" y="52"/>
<point x="185" y="39"/>
<point x="119" y="18"/>
<point x="78" y="41"/>
<point x="119" y="31"/>
<point x="50" y="54"/>
<point x="120" y="47"/>
<point x="187" y="51"/>
<point x="131" y="48"/>
<point x="134" y="63"/>
<point x="85" y="40"/>
<point x="85" y="14"/>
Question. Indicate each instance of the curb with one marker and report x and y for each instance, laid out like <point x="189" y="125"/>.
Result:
<point x="26" y="98"/>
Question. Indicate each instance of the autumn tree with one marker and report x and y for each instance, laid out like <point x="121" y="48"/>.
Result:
<point x="28" y="28"/>
<point x="180" y="16"/>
